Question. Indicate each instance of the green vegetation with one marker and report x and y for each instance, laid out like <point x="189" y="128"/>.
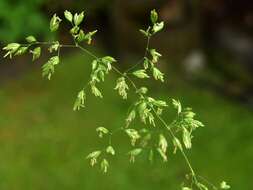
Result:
<point x="151" y="140"/>
<point x="16" y="14"/>
<point x="44" y="143"/>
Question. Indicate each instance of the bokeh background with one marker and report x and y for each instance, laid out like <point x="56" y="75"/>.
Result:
<point x="207" y="52"/>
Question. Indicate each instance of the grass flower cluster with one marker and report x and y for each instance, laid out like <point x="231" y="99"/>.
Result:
<point x="157" y="135"/>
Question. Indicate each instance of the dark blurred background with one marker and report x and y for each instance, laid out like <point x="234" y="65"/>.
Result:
<point x="207" y="49"/>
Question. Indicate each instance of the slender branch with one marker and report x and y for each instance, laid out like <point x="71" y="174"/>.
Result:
<point x="134" y="66"/>
<point x="113" y="133"/>
<point x="113" y="67"/>
<point x="181" y="150"/>
<point x="68" y="46"/>
<point x="125" y="75"/>
<point x="147" y="46"/>
<point x="87" y="51"/>
<point x="59" y="50"/>
<point x="145" y="55"/>
<point x="208" y="182"/>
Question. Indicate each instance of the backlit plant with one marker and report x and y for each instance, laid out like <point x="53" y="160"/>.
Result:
<point x="158" y="135"/>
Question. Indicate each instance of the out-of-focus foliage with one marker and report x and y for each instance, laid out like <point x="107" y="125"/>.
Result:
<point x="79" y="4"/>
<point x="21" y="17"/>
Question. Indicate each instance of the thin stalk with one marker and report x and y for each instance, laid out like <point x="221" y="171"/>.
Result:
<point x="181" y="150"/>
<point x="87" y="51"/>
<point x="145" y="55"/>
<point x="208" y="182"/>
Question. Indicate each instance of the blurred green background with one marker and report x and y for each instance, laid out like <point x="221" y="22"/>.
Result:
<point x="208" y="60"/>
